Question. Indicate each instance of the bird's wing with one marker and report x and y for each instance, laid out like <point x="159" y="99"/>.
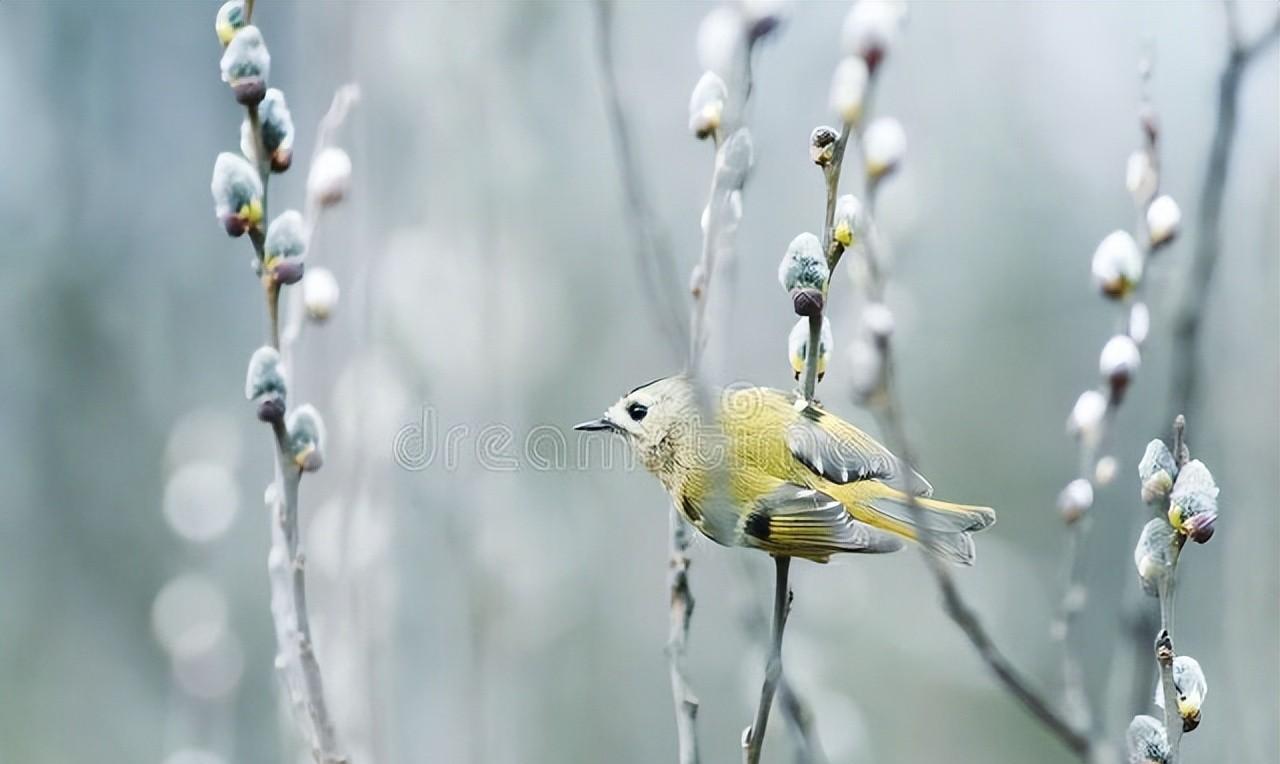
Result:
<point x="797" y="521"/>
<point x="841" y="453"/>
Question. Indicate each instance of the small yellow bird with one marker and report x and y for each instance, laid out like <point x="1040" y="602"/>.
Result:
<point x="777" y="473"/>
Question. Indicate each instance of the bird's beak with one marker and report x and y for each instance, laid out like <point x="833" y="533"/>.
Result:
<point x="603" y="423"/>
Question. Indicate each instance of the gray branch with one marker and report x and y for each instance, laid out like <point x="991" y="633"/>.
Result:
<point x="753" y="736"/>
<point x="1188" y="315"/>
<point x="652" y="247"/>
<point x="1173" y="725"/>
<point x="887" y="409"/>
<point x="286" y="563"/>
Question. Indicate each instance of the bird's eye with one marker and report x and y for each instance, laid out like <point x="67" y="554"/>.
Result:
<point x="637" y="411"/>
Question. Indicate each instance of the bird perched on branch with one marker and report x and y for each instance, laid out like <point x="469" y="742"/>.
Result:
<point x="769" y="470"/>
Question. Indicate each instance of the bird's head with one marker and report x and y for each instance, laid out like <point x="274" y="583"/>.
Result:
<point x="652" y="418"/>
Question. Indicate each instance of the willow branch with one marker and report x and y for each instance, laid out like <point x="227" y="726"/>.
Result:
<point x="1189" y="314"/>
<point x="652" y="247"/>
<point x="888" y="412"/>
<point x="686" y="704"/>
<point x="798" y="714"/>
<point x="1173" y="723"/>
<point x="286" y="563"/>
<point x="753" y="736"/>
<point x="954" y="604"/>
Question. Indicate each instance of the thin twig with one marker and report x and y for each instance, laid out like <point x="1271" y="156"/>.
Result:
<point x="753" y="736"/>
<point x="795" y="710"/>
<point x="887" y="410"/>
<point x="686" y="704"/>
<point x="286" y="561"/>
<point x="733" y="161"/>
<point x="1164" y="649"/>
<point x="654" y="258"/>
<point x="958" y="609"/>
<point x="1188" y="314"/>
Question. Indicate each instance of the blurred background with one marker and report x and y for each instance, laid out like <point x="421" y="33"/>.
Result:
<point x="470" y="612"/>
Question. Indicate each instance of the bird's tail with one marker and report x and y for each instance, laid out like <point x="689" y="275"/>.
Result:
<point x="950" y="526"/>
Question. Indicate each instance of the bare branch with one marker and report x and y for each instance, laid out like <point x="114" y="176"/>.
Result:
<point x="1075" y="739"/>
<point x="887" y="409"/>
<point x="652" y="247"/>
<point x="753" y="736"/>
<point x="686" y="704"/>
<point x="299" y="669"/>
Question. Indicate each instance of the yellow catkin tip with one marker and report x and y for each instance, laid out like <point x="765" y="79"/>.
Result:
<point x="843" y="234"/>
<point x="225" y="33"/>
<point x="797" y="364"/>
<point x="300" y="458"/>
<point x="1175" y="517"/>
<point x="252" y="212"/>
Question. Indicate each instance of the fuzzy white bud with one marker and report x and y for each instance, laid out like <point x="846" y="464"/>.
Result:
<point x="230" y="19"/>
<point x="237" y="193"/>
<point x="866" y="366"/>
<point x="803" y="272"/>
<point x="1119" y="361"/>
<point x="1193" y="502"/>
<point x="1156" y="472"/>
<point x="721" y="35"/>
<point x="1087" y="415"/>
<point x="1163" y="220"/>
<point x="246" y="65"/>
<point x="849" y="88"/>
<point x="849" y="223"/>
<point x="1147" y="741"/>
<point x="798" y="346"/>
<point x="884" y="146"/>
<point x="306" y="437"/>
<point x="330" y="177"/>
<point x="706" y="105"/>
<point x="319" y="293"/>
<point x="1105" y="470"/>
<point x="803" y="265"/>
<point x="1190" y="688"/>
<point x="1140" y="177"/>
<point x="1139" y="322"/>
<point x="1151" y="555"/>
<point x="1117" y="264"/>
<point x="878" y="320"/>
<point x="1075" y="499"/>
<point x="871" y="28"/>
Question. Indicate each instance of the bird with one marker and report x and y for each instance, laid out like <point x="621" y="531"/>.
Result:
<point x="774" y="471"/>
